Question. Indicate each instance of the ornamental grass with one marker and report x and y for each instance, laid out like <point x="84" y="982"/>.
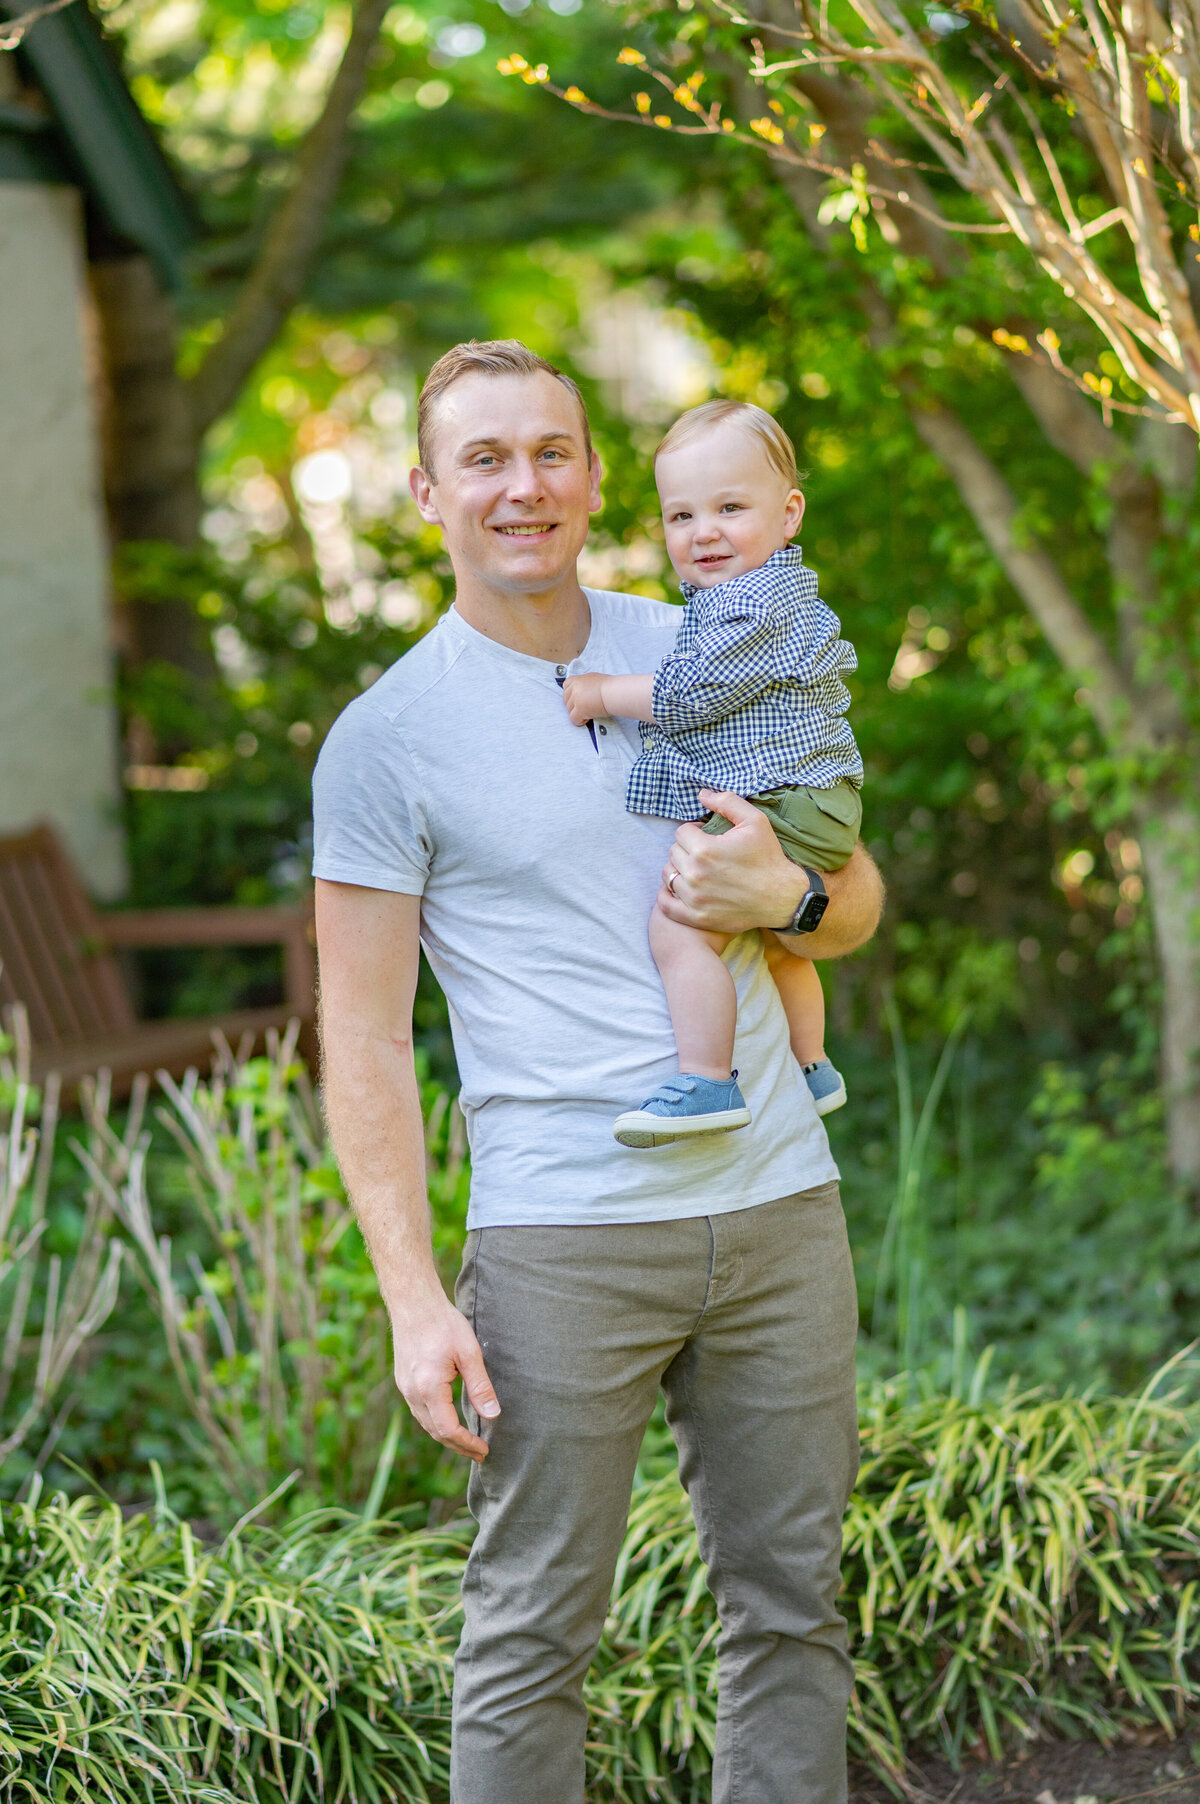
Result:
<point x="1014" y="1568"/>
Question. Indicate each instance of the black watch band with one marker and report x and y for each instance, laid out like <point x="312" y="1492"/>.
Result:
<point x="812" y="906"/>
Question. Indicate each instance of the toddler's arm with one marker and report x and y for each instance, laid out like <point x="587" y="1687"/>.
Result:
<point x="592" y="693"/>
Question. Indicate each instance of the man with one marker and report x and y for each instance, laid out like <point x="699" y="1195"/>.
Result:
<point x="457" y="806"/>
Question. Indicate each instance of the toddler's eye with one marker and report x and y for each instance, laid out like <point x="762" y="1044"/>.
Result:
<point x="732" y="507"/>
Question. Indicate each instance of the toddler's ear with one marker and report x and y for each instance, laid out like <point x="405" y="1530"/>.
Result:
<point x="793" y="512"/>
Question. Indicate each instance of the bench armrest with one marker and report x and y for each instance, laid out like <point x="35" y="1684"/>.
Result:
<point x="286" y="927"/>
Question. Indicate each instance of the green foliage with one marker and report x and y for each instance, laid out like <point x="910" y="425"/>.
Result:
<point x="251" y="1313"/>
<point x="277" y="1337"/>
<point x="1031" y="1197"/>
<point x="1011" y="1568"/>
<point x="140" y="1664"/>
<point x="1021" y="1208"/>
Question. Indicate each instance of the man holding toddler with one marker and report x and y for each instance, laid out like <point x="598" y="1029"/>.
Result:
<point x="457" y="807"/>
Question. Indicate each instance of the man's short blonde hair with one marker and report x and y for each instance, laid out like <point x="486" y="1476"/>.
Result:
<point x="486" y="357"/>
<point x="755" y="421"/>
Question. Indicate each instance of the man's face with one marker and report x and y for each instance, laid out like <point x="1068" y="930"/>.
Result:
<point x="514" y="487"/>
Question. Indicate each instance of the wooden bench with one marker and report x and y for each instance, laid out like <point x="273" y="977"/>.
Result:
<point x="58" y="959"/>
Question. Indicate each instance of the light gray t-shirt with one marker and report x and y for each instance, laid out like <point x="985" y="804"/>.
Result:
<point x="458" y="777"/>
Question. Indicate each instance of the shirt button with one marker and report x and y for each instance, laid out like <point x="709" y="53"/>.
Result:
<point x="604" y="730"/>
<point x="560" y="670"/>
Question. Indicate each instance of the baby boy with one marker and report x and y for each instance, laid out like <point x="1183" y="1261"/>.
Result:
<point x="751" y="701"/>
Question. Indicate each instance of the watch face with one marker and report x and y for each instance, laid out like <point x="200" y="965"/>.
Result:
<point x="810" y="912"/>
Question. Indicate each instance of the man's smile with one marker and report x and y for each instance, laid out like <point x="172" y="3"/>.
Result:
<point x="530" y="531"/>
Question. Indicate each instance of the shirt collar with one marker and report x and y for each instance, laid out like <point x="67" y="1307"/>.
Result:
<point x="787" y="558"/>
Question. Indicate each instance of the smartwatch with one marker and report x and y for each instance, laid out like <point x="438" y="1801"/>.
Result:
<point x="813" y="904"/>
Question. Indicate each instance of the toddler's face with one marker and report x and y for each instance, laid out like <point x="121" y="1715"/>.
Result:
<point x="725" y="509"/>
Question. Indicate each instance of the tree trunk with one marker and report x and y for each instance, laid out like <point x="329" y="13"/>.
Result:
<point x="1168" y="830"/>
<point x="151" y="453"/>
<point x="153" y="420"/>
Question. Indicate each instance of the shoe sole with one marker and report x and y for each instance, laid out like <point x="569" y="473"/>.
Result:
<point x="825" y="1105"/>
<point x="640" y="1130"/>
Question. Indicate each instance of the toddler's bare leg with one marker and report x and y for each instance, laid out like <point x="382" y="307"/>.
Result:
<point x="803" y="999"/>
<point x="700" y="995"/>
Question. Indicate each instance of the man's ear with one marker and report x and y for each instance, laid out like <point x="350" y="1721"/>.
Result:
<point x="422" y="487"/>
<point x="595" y="503"/>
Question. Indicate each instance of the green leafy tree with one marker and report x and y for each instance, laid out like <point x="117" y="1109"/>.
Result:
<point x="1008" y="202"/>
<point x="342" y="160"/>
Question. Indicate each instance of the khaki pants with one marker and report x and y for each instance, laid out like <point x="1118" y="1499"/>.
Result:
<point x="747" y="1321"/>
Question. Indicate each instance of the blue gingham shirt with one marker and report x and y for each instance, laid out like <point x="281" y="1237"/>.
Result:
<point x="751" y="698"/>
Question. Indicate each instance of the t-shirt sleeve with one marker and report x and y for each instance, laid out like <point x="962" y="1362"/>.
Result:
<point x="369" y="818"/>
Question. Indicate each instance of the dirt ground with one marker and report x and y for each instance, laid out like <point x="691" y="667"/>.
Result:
<point x="1060" y="1773"/>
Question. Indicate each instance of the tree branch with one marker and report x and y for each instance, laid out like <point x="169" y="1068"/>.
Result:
<point x="274" y="284"/>
<point x="1032" y="572"/>
<point x="1071" y="423"/>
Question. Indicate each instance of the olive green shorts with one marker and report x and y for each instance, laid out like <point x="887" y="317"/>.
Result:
<point x="814" y="826"/>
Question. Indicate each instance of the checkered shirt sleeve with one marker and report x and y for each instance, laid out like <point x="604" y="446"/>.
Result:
<point x="751" y="697"/>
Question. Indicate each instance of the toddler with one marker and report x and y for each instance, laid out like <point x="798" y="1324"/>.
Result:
<point x="750" y="701"/>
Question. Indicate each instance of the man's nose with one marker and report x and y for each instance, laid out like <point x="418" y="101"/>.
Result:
<point x="524" y="480"/>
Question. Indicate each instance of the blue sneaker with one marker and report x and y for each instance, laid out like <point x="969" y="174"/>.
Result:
<point x="825" y="1085"/>
<point x="682" y="1107"/>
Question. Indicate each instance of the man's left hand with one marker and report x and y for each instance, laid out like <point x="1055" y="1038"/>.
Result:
<point x="735" y="881"/>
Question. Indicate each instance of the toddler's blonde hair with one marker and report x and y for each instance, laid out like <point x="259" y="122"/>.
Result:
<point x="755" y="421"/>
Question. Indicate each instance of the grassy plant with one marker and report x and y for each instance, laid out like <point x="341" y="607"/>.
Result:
<point x="72" y="1303"/>
<point x="140" y="1665"/>
<point x="1037" y="1202"/>
<point x="903" y="1262"/>
<point x="276" y="1334"/>
<point x="1012" y="1567"/>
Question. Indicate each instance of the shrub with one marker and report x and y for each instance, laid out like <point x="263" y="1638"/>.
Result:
<point x="140" y="1665"/>
<point x="66" y="1304"/>
<point x="273" y="1322"/>
<point x="1012" y="1568"/>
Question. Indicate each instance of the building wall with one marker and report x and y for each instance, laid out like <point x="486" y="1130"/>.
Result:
<point x="58" y="730"/>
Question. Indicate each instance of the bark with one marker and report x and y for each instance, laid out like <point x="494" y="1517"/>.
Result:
<point x="275" y="283"/>
<point x="1032" y="572"/>
<point x="151" y="471"/>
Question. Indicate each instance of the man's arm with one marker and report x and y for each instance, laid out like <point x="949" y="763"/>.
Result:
<point x="731" y="882"/>
<point x="368" y="947"/>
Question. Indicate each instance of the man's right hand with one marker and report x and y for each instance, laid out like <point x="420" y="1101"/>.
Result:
<point x="434" y="1345"/>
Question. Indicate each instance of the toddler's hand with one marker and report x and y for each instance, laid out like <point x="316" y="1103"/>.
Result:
<point x="583" y="697"/>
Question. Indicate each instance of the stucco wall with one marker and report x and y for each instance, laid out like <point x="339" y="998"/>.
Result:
<point x="58" y="736"/>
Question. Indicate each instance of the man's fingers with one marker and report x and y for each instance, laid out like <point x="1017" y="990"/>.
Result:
<point x="444" y="1426"/>
<point x="734" y="808"/>
<point x="478" y="1385"/>
<point x="434" y="1411"/>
